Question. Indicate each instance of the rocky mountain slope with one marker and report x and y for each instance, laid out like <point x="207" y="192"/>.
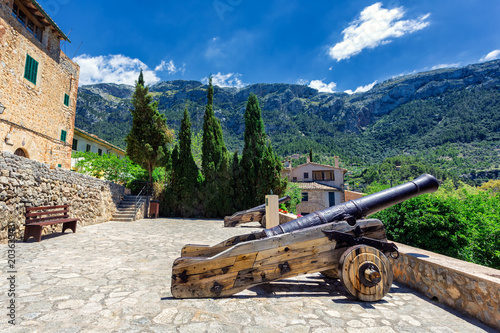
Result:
<point x="409" y="113"/>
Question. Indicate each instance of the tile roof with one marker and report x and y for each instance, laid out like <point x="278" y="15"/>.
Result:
<point x="316" y="186"/>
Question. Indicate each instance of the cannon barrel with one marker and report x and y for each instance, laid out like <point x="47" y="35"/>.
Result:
<point x="361" y="207"/>
<point x="263" y="206"/>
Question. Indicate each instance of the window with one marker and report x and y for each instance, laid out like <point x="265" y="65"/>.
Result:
<point x="26" y="22"/>
<point x="63" y="135"/>
<point x="88" y="147"/>
<point x="59" y="165"/>
<point x="294" y="179"/>
<point x="31" y="26"/>
<point x="99" y="152"/>
<point x="75" y="144"/>
<point x="306" y="175"/>
<point x="305" y="196"/>
<point x="324" y="175"/>
<point x="31" y="69"/>
<point x="66" y="99"/>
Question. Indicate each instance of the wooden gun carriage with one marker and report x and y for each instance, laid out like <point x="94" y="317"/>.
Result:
<point x="335" y="241"/>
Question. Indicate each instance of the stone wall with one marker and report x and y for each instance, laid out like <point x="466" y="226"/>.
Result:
<point x="315" y="202"/>
<point x="26" y="183"/>
<point x="35" y="114"/>
<point x="469" y="288"/>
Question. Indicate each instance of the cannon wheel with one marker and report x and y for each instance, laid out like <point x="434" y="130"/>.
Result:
<point x="365" y="272"/>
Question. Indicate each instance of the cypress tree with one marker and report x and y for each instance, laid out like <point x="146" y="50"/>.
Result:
<point x="253" y="152"/>
<point x="215" y="162"/>
<point x="270" y="174"/>
<point x="186" y="170"/>
<point x="260" y="167"/>
<point x="149" y="135"/>
<point x="236" y="181"/>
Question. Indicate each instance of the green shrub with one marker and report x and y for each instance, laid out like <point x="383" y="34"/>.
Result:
<point x="463" y="224"/>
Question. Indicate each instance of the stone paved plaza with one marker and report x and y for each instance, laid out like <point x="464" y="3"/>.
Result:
<point x="115" y="277"/>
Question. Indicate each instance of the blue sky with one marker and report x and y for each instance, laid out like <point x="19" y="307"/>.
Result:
<point x="330" y="45"/>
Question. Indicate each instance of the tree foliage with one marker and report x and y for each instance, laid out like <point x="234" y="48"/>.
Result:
<point x="149" y="135"/>
<point x="260" y="167"/>
<point x="108" y="167"/>
<point x="183" y="190"/>
<point x="215" y="163"/>
<point x="463" y="223"/>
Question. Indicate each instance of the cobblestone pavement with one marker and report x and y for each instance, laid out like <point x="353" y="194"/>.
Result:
<point x="115" y="277"/>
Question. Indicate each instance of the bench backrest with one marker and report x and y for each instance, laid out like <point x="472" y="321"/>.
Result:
<point x="50" y="213"/>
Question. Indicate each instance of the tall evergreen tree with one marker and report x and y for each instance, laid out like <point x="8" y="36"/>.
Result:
<point x="215" y="162"/>
<point x="260" y="167"/>
<point x="237" y="190"/>
<point x="149" y="135"/>
<point x="253" y="152"/>
<point x="187" y="169"/>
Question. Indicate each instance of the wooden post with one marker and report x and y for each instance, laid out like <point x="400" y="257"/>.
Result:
<point x="272" y="211"/>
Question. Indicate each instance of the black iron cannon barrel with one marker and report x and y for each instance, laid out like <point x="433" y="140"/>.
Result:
<point x="263" y="206"/>
<point x="362" y="207"/>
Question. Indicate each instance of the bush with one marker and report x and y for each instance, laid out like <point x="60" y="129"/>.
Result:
<point x="463" y="224"/>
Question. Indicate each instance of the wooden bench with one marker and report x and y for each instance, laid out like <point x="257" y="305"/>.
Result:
<point x="38" y="217"/>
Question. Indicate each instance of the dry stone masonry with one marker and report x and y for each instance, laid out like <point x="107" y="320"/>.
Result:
<point x="25" y="183"/>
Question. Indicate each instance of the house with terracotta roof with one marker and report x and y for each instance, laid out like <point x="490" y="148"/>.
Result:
<point x="322" y="185"/>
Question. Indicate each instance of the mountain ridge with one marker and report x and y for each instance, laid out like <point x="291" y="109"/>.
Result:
<point x="298" y="117"/>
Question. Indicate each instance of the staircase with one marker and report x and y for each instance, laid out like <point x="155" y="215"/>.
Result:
<point x="127" y="208"/>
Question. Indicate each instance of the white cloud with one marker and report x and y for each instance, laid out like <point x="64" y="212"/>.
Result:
<point x="445" y="66"/>
<point x="362" y="88"/>
<point x="303" y="82"/>
<point x="115" y="68"/>
<point x="495" y="54"/>
<point x="375" y="26"/>
<point x="170" y="67"/>
<point x="320" y="86"/>
<point x="225" y="80"/>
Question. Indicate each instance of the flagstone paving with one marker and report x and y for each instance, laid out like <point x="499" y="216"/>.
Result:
<point x="115" y="277"/>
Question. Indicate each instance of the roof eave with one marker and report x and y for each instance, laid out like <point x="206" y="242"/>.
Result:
<point x="47" y="17"/>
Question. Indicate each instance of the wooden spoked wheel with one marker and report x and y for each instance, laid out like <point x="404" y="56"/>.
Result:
<point x="365" y="272"/>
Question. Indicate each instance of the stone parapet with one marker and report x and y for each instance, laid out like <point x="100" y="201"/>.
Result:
<point x="27" y="183"/>
<point x="469" y="288"/>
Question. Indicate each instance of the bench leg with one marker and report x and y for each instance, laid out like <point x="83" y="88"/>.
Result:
<point x="69" y="225"/>
<point x="32" y="230"/>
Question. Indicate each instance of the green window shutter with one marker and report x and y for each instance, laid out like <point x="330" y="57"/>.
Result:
<point x="30" y="69"/>
<point x="63" y="135"/>
<point x="66" y="99"/>
<point x="59" y="165"/>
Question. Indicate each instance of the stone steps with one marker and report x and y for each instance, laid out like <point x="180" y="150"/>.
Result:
<point x="126" y="209"/>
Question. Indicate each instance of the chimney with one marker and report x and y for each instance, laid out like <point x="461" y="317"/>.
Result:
<point x="336" y="161"/>
<point x="308" y="159"/>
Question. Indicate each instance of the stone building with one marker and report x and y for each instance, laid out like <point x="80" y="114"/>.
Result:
<point x="38" y="85"/>
<point x="322" y="185"/>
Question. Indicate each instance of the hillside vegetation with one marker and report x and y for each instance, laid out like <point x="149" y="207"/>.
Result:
<point x="448" y="118"/>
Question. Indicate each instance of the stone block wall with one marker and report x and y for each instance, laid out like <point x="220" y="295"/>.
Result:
<point x="35" y="114"/>
<point x="27" y="183"/>
<point x="315" y="202"/>
<point x="469" y="288"/>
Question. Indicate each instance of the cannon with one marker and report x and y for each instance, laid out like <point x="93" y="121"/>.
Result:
<point x="254" y="214"/>
<point x="338" y="241"/>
